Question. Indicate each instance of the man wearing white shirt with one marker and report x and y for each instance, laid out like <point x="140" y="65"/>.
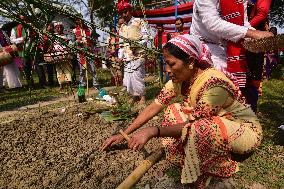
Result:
<point x="219" y="31"/>
<point x="134" y="29"/>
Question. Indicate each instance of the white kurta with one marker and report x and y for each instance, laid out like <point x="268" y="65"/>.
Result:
<point x="12" y="75"/>
<point x="210" y="27"/>
<point x="134" y="69"/>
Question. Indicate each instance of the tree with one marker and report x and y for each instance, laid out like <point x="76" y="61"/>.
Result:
<point x="276" y="14"/>
<point x="104" y="10"/>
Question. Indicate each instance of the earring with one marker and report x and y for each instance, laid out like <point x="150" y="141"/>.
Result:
<point x="190" y="66"/>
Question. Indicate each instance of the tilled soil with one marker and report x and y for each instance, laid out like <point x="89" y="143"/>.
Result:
<point x="60" y="149"/>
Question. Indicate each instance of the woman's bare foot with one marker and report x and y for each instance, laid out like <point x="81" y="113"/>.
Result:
<point x="142" y="100"/>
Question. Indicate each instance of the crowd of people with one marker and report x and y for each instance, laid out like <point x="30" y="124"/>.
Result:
<point x="46" y="56"/>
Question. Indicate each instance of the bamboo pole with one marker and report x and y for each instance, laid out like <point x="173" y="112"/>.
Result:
<point x="87" y="78"/>
<point x="138" y="173"/>
<point x="124" y="135"/>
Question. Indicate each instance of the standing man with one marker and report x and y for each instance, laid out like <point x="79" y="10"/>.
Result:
<point x="134" y="29"/>
<point x="83" y="41"/>
<point x="161" y="37"/>
<point x="46" y="47"/>
<point x="118" y="65"/>
<point x="120" y="52"/>
<point x="222" y="25"/>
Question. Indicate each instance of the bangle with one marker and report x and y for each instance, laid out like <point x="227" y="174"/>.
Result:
<point x="158" y="133"/>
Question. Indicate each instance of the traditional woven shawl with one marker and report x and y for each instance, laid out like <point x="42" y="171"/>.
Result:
<point x="20" y="32"/>
<point x="79" y="36"/>
<point x="233" y="12"/>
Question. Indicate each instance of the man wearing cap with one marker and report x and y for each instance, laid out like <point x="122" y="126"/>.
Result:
<point x="134" y="29"/>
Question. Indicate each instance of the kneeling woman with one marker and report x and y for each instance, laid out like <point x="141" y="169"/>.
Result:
<point x="212" y="121"/>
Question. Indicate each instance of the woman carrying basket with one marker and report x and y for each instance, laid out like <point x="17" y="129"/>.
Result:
<point x="62" y="58"/>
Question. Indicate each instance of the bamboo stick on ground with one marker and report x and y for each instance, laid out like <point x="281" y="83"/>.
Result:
<point x="136" y="175"/>
<point x="124" y="135"/>
<point x="87" y="78"/>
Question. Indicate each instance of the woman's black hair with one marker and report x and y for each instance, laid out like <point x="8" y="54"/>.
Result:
<point x="176" y="52"/>
<point x="180" y="19"/>
<point x="273" y="30"/>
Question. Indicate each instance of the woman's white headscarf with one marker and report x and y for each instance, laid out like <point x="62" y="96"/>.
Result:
<point x="192" y="46"/>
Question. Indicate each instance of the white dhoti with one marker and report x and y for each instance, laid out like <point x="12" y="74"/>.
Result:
<point x="12" y="75"/>
<point x="134" y="74"/>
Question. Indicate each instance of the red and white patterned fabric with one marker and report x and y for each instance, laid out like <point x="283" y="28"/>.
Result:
<point x="192" y="46"/>
<point x="217" y="123"/>
<point x="233" y="12"/>
<point x="83" y="36"/>
<point x="167" y="16"/>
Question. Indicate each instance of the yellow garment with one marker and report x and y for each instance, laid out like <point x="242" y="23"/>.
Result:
<point x="218" y="123"/>
<point x="132" y="31"/>
<point x="63" y="71"/>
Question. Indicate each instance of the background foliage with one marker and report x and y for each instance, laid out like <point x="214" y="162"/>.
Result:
<point x="277" y="13"/>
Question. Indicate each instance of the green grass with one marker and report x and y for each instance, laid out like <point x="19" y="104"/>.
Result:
<point x="266" y="165"/>
<point x="21" y="97"/>
<point x="13" y="99"/>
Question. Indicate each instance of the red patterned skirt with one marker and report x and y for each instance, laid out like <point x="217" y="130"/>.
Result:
<point x="204" y="150"/>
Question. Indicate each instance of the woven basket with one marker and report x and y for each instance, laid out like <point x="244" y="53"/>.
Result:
<point x="265" y="44"/>
<point x="6" y="54"/>
<point x="58" y="57"/>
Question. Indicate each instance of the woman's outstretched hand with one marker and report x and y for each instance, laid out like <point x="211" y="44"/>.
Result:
<point x="140" y="138"/>
<point x="113" y="140"/>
